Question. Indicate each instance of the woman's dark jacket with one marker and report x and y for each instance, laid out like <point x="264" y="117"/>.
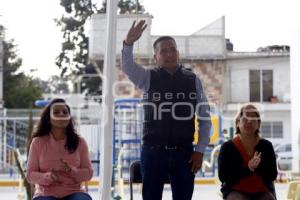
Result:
<point x="231" y="168"/>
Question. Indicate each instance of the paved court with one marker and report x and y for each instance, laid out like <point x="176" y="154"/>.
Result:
<point x="202" y="192"/>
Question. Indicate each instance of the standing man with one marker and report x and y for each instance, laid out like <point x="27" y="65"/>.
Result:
<point x="172" y="96"/>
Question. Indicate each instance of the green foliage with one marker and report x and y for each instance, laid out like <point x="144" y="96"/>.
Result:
<point x="54" y="84"/>
<point x="19" y="90"/>
<point x="126" y="7"/>
<point x="130" y="6"/>
<point x="74" y="54"/>
<point x="73" y="58"/>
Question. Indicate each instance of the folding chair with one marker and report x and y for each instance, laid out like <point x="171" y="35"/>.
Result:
<point x="135" y="175"/>
<point x="29" y="188"/>
<point x="293" y="190"/>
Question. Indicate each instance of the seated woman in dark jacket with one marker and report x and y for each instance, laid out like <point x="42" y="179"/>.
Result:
<point x="247" y="163"/>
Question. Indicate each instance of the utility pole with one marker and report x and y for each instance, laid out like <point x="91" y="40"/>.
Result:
<point x="107" y="101"/>
<point x="1" y="71"/>
<point x="2" y="34"/>
<point x="295" y="95"/>
<point x="1" y="93"/>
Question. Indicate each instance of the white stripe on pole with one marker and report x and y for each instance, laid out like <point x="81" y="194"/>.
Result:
<point x="107" y="101"/>
<point x="1" y="71"/>
<point x="295" y="96"/>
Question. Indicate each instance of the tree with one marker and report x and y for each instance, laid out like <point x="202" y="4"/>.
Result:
<point x="74" y="55"/>
<point x="19" y="90"/>
<point x="73" y="59"/>
<point x="126" y="7"/>
<point x="54" y="84"/>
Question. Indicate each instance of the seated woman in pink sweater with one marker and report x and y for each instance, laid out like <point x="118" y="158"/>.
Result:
<point x="58" y="159"/>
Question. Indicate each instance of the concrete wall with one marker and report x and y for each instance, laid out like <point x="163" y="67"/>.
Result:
<point x="98" y="31"/>
<point x="198" y="46"/>
<point x="211" y="74"/>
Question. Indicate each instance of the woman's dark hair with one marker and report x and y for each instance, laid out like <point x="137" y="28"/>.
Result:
<point x="44" y="126"/>
<point x="241" y="113"/>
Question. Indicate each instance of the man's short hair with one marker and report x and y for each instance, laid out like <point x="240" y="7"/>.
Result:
<point x="162" y="38"/>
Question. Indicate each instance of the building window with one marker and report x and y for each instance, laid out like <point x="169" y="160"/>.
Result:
<point x="261" y="85"/>
<point x="272" y="129"/>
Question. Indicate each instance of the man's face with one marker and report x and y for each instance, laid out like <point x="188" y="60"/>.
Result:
<point x="166" y="54"/>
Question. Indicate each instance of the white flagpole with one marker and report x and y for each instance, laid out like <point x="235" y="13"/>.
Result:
<point x="108" y="101"/>
<point x="295" y="96"/>
<point x="1" y="71"/>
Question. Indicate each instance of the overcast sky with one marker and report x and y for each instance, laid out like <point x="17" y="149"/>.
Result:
<point x="249" y="24"/>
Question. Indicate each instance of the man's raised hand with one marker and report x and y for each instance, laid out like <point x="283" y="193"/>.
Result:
<point x="135" y="32"/>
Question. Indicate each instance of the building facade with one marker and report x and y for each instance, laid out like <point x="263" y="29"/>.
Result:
<point x="230" y="78"/>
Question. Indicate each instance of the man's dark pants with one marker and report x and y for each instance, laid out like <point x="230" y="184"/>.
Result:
<point x="159" y="163"/>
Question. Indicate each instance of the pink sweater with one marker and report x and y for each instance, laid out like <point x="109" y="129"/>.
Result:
<point x="45" y="155"/>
